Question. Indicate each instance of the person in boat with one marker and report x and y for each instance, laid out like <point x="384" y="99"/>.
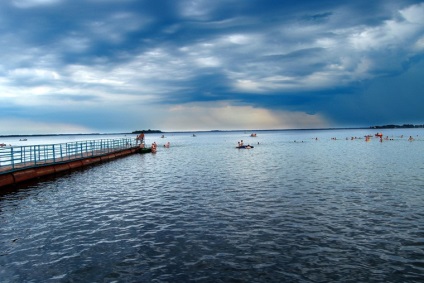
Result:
<point x="240" y="144"/>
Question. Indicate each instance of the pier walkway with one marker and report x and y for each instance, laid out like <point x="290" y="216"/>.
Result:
<point x="20" y="163"/>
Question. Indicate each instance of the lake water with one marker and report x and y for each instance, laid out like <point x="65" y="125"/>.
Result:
<point x="292" y="209"/>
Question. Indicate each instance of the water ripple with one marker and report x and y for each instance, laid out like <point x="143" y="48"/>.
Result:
<point x="294" y="213"/>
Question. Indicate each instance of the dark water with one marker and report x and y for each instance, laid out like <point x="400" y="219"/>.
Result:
<point x="306" y="211"/>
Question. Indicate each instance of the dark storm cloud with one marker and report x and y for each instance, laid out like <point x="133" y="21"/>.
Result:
<point x="302" y="56"/>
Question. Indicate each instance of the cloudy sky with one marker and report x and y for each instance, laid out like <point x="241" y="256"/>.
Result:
<point x="83" y="66"/>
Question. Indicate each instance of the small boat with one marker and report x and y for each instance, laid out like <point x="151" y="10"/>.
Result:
<point x="144" y="150"/>
<point x="245" y="146"/>
<point x="253" y="135"/>
<point x="23" y="139"/>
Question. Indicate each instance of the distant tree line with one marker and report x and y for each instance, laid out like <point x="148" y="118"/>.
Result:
<point x="147" y="131"/>
<point x="404" y="126"/>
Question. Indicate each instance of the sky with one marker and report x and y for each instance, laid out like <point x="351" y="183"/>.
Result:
<point x="115" y="66"/>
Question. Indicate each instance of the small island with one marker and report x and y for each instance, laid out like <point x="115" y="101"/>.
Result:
<point x="147" y="131"/>
<point x="404" y="126"/>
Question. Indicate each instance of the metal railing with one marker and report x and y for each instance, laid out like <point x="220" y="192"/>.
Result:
<point x="14" y="157"/>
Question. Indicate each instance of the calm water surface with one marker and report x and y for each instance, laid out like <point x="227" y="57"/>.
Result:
<point x="292" y="209"/>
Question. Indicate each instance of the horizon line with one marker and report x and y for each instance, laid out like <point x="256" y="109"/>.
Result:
<point x="239" y="130"/>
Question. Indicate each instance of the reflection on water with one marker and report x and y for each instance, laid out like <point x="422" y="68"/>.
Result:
<point x="306" y="211"/>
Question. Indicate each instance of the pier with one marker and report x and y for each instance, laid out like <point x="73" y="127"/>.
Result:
<point x="23" y="163"/>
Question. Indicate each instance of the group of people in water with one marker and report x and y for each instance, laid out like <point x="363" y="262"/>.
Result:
<point x="379" y="136"/>
<point x="368" y="138"/>
<point x="240" y="144"/>
<point x="140" y="139"/>
<point x="154" y="146"/>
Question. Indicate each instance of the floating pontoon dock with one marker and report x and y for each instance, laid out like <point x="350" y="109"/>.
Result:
<point x="22" y="163"/>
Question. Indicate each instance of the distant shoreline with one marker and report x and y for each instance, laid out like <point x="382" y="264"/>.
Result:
<point x="405" y="126"/>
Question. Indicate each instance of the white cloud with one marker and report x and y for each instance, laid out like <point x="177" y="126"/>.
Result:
<point x="248" y="85"/>
<point x="74" y="43"/>
<point x="195" y="8"/>
<point x="414" y="14"/>
<point x="419" y="44"/>
<point x="81" y="74"/>
<point x="208" y="62"/>
<point x="394" y="33"/>
<point x="239" y="39"/>
<point x="34" y="74"/>
<point x="312" y="82"/>
<point x="34" y="3"/>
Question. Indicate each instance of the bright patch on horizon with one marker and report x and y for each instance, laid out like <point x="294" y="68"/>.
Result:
<point x="224" y="116"/>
